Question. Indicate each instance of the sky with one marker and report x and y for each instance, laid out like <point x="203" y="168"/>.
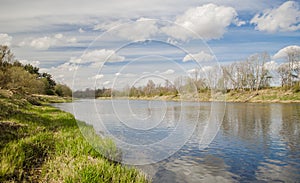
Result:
<point x="97" y="43"/>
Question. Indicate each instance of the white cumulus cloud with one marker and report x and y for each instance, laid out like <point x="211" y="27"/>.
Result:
<point x="192" y="71"/>
<point x="168" y="72"/>
<point x="208" y="21"/>
<point x="96" y="77"/>
<point x="5" y="39"/>
<point x="199" y="57"/>
<point x="97" y="56"/>
<point x="283" y="53"/>
<point x="284" y="18"/>
<point x="138" y="30"/>
<point x="201" y="70"/>
<point x="58" y="36"/>
<point x="44" y="43"/>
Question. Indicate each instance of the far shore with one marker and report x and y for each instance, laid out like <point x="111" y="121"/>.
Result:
<point x="273" y="95"/>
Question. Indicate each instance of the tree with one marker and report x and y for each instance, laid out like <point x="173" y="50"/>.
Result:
<point x="31" y="69"/>
<point x="150" y="88"/>
<point x="63" y="90"/>
<point x="26" y="78"/>
<point x="49" y="83"/>
<point x="21" y="81"/>
<point x="249" y="74"/>
<point x="6" y="57"/>
<point x="283" y="71"/>
<point x="293" y="59"/>
<point x="258" y="70"/>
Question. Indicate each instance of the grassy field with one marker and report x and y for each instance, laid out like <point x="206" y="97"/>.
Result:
<point x="39" y="143"/>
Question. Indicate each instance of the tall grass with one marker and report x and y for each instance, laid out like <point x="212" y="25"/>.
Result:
<point x="44" y="144"/>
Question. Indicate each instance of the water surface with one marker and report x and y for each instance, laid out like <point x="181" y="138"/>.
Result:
<point x="255" y="143"/>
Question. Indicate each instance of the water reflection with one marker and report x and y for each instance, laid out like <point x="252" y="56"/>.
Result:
<point x="256" y="142"/>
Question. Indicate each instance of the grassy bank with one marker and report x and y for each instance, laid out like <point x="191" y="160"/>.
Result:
<point x="39" y="143"/>
<point x="270" y="95"/>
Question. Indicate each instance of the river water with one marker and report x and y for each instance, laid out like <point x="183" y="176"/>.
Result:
<point x="254" y="142"/>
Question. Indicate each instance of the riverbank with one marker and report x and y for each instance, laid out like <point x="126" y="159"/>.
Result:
<point x="39" y="143"/>
<point x="270" y="95"/>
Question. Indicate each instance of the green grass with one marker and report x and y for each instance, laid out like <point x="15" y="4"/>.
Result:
<point x="44" y="144"/>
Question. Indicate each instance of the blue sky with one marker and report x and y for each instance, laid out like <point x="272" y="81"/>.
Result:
<point x="64" y="38"/>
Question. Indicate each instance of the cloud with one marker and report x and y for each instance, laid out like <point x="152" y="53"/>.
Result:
<point x="80" y="72"/>
<point x="284" y="18"/>
<point x="106" y="83"/>
<point x="32" y="15"/>
<point x="108" y="25"/>
<point x="130" y="75"/>
<point x="208" y="21"/>
<point x="67" y="66"/>
<point x="58" y="36"/>
<point x="96" y="77"/>
<point x="198" y="57"/>
<point x="44" y="43"/>
<point x="80" y="30"/>
<point x="283" y="53"/>
<point x="192" y="71"/>
<point x="71" y="40"/>
<point x="168" y="72"/>
<point x="33" y="63"/>
<point x="202" y="71"/>
<point x="207" y="69"/>
<point x="63" y="73"/>
<point x="97" y="56"/>
<point x="138" y="30"/>
<point x="271" y="66"/>
<point x="5" y="39"/>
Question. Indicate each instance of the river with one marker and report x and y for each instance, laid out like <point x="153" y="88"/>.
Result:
<point x="253" y="142"/>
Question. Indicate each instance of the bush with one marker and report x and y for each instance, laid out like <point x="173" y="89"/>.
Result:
<point x="63" y="90"/>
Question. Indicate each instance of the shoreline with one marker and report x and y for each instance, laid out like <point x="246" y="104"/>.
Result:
<point x="197" y="99"/>
<point x="41" y="143"/>
<point x="226" y="101"/>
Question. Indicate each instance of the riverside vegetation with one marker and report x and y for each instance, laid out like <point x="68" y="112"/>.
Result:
<point x="44" y="144"/>
<point x="39" y="143"/>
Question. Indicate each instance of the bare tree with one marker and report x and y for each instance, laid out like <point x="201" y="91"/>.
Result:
<point x="249" y="74"/>
<point x="283" y="71"/>
<point x="293" y="59"/>
<point x="258" y="70"/>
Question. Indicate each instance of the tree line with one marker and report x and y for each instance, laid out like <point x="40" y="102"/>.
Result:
<point x="26" y="79"/>
<point x="250" y="74"/>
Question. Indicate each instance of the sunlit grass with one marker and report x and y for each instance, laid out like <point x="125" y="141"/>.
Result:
<point x="44" y="144"/>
